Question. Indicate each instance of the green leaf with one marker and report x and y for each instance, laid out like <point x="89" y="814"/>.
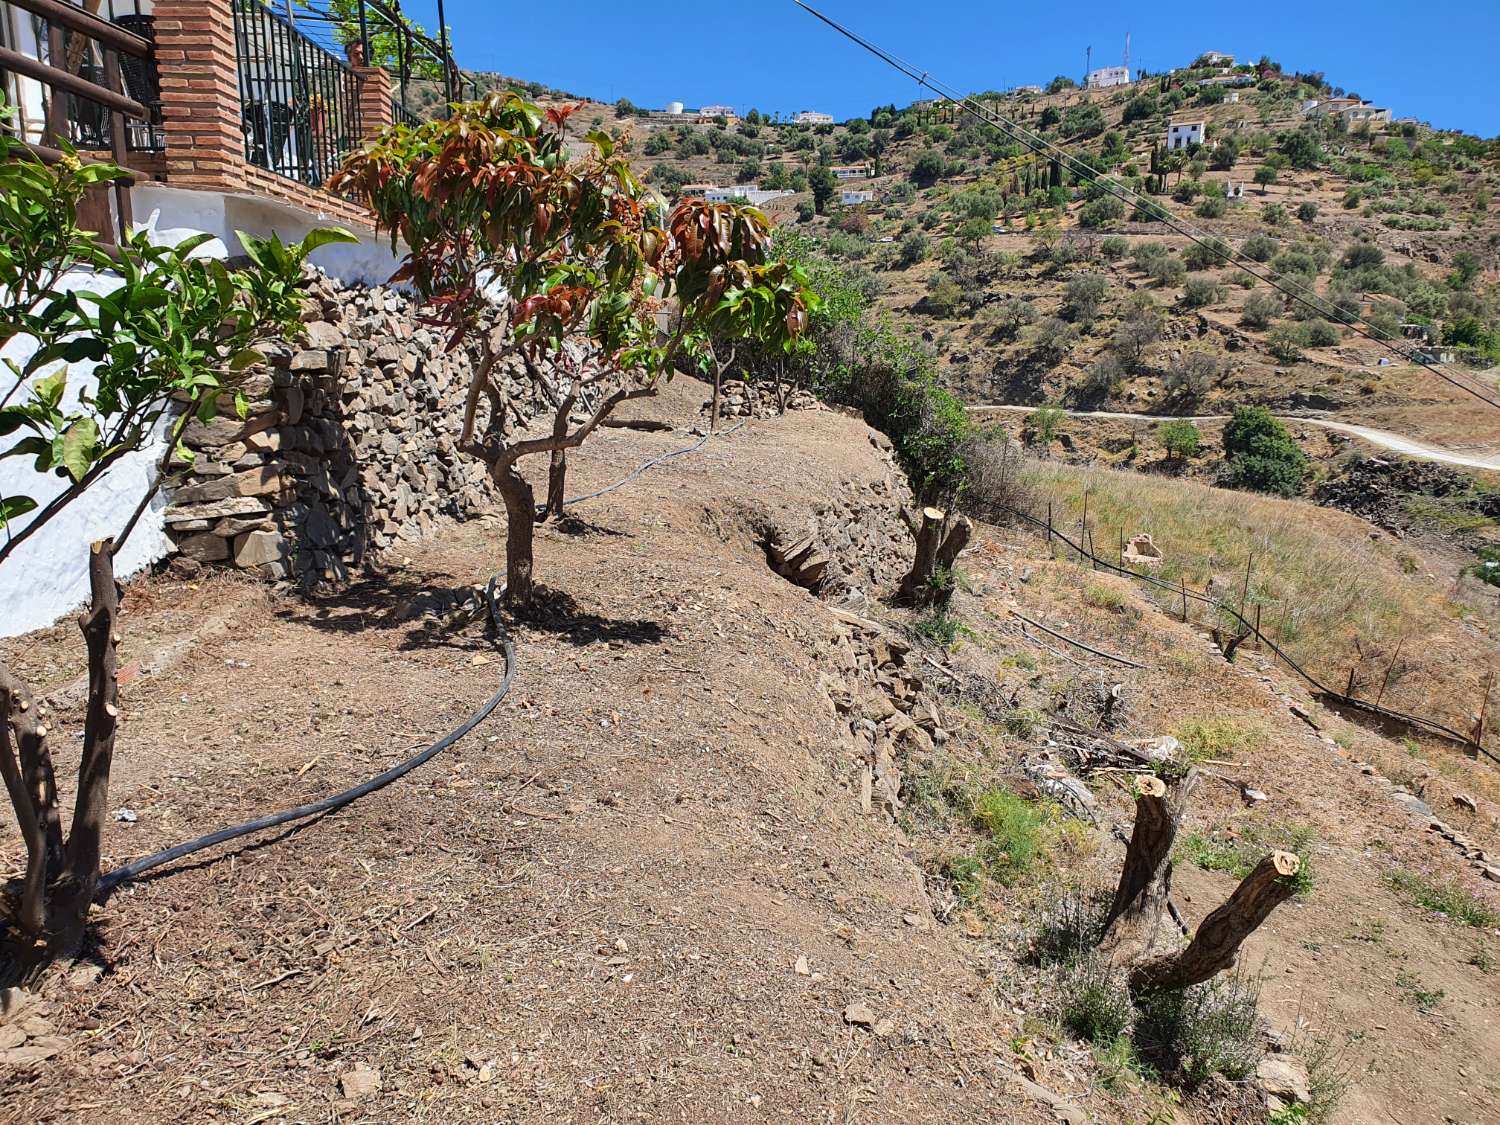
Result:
<point x="79" y="446"/>
<point x="38" y="447"/>
<point x="13" y="506"/>
<point x="241" y="405"/>
<point x="50" y="390"/>
<point x="12" y="418"/>
<point x="324" y="236"/>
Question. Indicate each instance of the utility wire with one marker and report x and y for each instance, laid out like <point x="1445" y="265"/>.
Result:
<point x="1216" y="246"/>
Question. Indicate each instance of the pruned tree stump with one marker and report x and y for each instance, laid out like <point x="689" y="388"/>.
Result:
<point x="939" y="540"/>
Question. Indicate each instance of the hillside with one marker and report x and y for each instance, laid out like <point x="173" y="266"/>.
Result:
<point x="653" y="887"/>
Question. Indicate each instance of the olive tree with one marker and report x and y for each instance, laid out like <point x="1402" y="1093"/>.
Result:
<point x="170" y="328"/>
<point x="492" y="202"/>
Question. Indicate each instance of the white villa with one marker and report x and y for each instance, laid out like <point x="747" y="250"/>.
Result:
<point x="1106" y="77"/>
<point x="813" y="117"/>
<point x="854" y="198"/>
<point x="1182" y="134"/>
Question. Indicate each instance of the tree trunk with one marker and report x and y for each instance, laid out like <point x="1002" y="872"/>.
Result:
<point x="27" y="771"/>
<point x="938" y="543"/>
<point x="557" y="467"/>
<point x="1218" y="939"/>
<point x="520" y="524"/>
<point x="713" y="412"/>
<point x="73" y="892"/>
<point x="1138" y="914"/>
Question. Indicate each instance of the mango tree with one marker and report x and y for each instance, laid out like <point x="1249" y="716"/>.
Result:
<point x="496" y="211"/>
<point x="168" y="335"/>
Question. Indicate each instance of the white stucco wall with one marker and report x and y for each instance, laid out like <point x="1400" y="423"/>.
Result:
<point x="47" y="576"/>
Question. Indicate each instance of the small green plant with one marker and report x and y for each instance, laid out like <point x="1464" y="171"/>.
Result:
<point x="1329" y="1074"/>
<point x="1180" y="438"/>
<point x="1104" y="597"/>
<point x="1425" y="1000"/>
<point x="1483" y="960"/>
<point x="965" y="874"/>
<point x="1457" y="903"/>
<point x="1022" y="723"/>
<point x="1013" y="827"/>
<point x="1238" y="854"/>
<point x="1095" y="1003"/>
<point x="1216" y="738"/>
<point x="1072" y="922"/>
<point x="940" y="627"/>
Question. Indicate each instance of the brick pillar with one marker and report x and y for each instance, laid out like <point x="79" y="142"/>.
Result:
<point x="374" y="100"/>
<point x="200" y="94"/>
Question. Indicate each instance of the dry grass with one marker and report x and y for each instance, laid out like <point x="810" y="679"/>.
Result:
<point x="1328" y="594"/>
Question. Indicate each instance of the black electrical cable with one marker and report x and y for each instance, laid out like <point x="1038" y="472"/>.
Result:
<point x="1219" y="247"/>
<point x="134" y="869"/>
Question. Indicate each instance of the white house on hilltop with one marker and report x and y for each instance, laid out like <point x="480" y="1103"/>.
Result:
<point x="1109" y="76"/>
<point x="813" y="117"/>
<point x="711" y="111"/>
<point x="854" y="198"/>
<point x="1217" y="58"/>
<point x="1182" y="134"/>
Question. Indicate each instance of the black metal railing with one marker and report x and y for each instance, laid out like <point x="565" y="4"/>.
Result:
<point x="300" y="102"/>
<point x="403" y="116"/>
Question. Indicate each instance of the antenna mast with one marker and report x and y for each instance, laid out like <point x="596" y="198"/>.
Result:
<point x="1127" y="54"/>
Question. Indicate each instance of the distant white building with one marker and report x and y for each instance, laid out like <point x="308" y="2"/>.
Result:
<point x="716" y="111"/>
<point x="850" y="171"/>
<point x="1182" y="134"/>
<point x="752" y="194"/>
<point x="1354" y="114"/>
<point x="674" y="108"/>
<point x="1317" y="107"/>
<point x="1027" y="90"/>
<point x="1217" y="58"/>
<point x="854" y="198"/>
<point x="1108" y="76"/>
<point x="813" y="117"/>
<point x="1228" y="80"/>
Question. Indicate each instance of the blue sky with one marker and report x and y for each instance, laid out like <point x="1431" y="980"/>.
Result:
<point x="1434" y="60"/>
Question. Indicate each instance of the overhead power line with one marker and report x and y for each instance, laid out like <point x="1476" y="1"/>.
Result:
<point x="1303" y="295"/>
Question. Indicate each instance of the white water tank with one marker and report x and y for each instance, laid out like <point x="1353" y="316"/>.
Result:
<point x="674" y="107"/>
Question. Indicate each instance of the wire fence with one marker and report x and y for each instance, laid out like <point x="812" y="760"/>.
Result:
<point x="1246" y="629"/>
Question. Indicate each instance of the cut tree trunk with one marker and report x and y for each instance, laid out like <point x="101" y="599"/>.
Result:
<point x="1217" y="941"/>
<point x="520" y="527"/>
<point x="73" y="892"/>
<point x="27" y="770"/>
<point x="938" y="543"/>
<point x="1139" y="915"/>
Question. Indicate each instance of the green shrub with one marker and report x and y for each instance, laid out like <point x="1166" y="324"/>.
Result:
<point x="1307" y="211"/>
<point x="1196" y="1033"/>
<point x="1096" y="1005"/>
<point x="1261" y="308"/>
<point x="1212" y="207"/>
<point x="1207" y="254"/>
<point x="1013" y="827"/>
<point x="1071" y="924"/>
<point x="1083" y="296"/>
<point x="1261" y="455"/>
<point x="1202" y="289"/>
<point x="1319" y="333"/>
<point x="1180" y="438"/>
<point x="1114" y="248"/>
<point x="1101" y="212"/>
<point x="1260" y="247"/>
<point x="1284" y="342"/>
<point x="1167" y="270"/>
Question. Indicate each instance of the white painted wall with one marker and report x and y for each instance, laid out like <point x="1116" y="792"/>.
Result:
<point x="47" y="576"/>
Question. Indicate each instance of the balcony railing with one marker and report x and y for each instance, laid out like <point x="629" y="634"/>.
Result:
<point x="300" y="102"/>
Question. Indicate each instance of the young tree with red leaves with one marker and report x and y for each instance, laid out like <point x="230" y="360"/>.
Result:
<point x="492" y="204"/>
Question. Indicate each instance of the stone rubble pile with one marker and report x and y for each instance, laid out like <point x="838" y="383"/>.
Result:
<point x="349" y="445"/>
<point x="740" y="399"/>
<point x="850" y="548"/>
<point x="880" y="697"/>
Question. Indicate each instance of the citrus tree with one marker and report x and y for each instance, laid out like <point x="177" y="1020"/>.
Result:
<point x="604" y="291"/>
<point x="164" y="335"/>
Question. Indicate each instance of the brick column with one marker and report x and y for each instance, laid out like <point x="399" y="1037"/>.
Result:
<point x="200" y="93"/>
<point x="375" y="113"/>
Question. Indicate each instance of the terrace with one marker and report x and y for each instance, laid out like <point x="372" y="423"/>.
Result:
<point x="234" y="96"/>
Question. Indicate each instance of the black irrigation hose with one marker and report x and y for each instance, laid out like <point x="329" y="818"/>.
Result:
<point x="134" y="869"/>
<point x="1431" y="725"/>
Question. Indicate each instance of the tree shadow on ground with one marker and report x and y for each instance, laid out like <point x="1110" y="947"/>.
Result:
<point x="437" y="610"/>
<point x="580" y="528"/>
<point x="557" y="613"/>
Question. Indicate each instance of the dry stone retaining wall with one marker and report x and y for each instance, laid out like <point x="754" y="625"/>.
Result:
<point x="349" y="445"/>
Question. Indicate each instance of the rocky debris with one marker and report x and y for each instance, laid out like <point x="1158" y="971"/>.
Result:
<point x="27" y="1036"/>
<point x="1284" y="1079"/>
<point x="1377" y="489"/>
<point x="848" y="546"/>
<point x="878" y="694"/>
<point x="739" y="399"/>
<point x="359" y="1083"/>
<point x="349" y="445"/>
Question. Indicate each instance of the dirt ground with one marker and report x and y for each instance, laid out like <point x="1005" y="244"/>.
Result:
<point x="595" y="907"/>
